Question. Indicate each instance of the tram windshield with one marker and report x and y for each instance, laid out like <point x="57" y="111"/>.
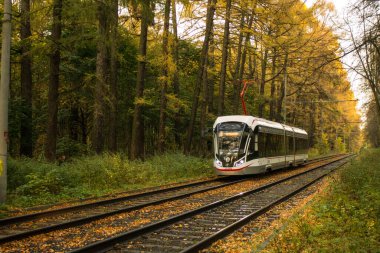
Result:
<point x="231" y="138"/>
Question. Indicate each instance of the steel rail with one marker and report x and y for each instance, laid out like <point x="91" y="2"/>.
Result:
<point x="88" y="219"/>
<point x="84" y="220"/>
<point x="240" y="223"/>
<point x="28" y="217"/>
<point x="107" y="244"/>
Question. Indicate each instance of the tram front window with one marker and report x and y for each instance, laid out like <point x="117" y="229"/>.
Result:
<point x="231" y="139"/>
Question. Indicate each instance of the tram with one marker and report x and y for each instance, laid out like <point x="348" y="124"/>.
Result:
<point x="246" y="145"/>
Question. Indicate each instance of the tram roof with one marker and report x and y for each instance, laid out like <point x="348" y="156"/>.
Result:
<point x="253" y="121"/>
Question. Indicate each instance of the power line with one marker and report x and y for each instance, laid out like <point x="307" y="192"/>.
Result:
<point x="352" y="122"/>
<point x="323" y="101"/>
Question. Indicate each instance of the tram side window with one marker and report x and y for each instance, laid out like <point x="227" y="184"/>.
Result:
<point x="290" y="145"/>
<point x="268" y="144"/>
<point x="298" y="145"/>
<point x="244" y="138"/>
<point x="274" y="145"/>
<point x="305" y="144"/>
<point x="301" y="146"/>
<point x="282" y="145"/>
<point x="253" y="149"/>
<point x="262" y="141"/>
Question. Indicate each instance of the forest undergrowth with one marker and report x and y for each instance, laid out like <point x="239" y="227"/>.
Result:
<point x="38" y="182"/>
<point x="33" y="182"/>
<point x="345" y="218"/>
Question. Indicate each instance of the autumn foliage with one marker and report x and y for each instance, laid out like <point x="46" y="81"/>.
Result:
<point x="145" y="77"/>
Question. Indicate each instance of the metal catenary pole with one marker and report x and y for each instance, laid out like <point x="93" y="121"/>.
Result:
<point x="4" y="95"/>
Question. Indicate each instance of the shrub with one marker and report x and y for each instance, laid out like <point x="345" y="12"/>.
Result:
<point x="49" y="183"/>
<point x="323" y="145"/>
<point x="339" y="146"/>
<point x="35" y="182"/>
<point x="313" y="152"/>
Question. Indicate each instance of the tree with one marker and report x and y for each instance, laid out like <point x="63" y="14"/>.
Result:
<point x="373" y="126"/>
<point x="323" y="144"/>
<point x="273" y="86"/>
<point x="113" y="46"/>
<point x="26" y="128"/>
<point x="366" y="48"/>
<point x="200" y="75"/>
<point x="339" y="146"/>
<point x="101" y="76"/>
<point x="143" y="99"/>
<point x="137" y="142"/>
<point x="4" y="93"/>
<point x="55" y="59"/>
<point x="238" y="65"/>
<point x="166" y="77"/>
<point x="176" y="86"/>
<point x="223" y="70"/>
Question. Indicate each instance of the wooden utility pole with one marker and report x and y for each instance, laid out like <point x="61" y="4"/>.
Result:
<point x="4" y="95"/>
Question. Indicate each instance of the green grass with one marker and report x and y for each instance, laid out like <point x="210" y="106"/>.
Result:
<point x="32" y="182"/>
<point x="345" y="218"/>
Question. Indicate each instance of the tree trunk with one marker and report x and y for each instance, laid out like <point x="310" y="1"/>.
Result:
<point x="177" y="120"/>
<point x="197" y="87"/>
<point x="74" y="123"/>
<point x="236" y="80"/>
<point x="204" y="109"/>
<point x="26" y="128"/>
<point x="273" y="87"/>
<point x="6" y="37"/>
<point x="55" y="59"/>
<point x="312" y="115"/>
<point x="282" y="92"/>
<point x="242" y="66"/>
<point x="137" y="141"/>
<point x="101" y="78"/>
<point x="83" y="125"/>
<point x="262" y="82"/>
<point x="223" y="71"/>
<point x="166" y="77"/>
<point x="239" y="80"/>
<point x="113" y="42"/>
<point x="211" y="75"/>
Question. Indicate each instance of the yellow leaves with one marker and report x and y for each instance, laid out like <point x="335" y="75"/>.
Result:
<point x="141" y="58"/>
<point x="175" y="104"/>
<point x="143" y="101"/>
<point x="188" y="10"/>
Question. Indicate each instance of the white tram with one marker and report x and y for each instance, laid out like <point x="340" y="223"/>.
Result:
<point x="249" y="145"/>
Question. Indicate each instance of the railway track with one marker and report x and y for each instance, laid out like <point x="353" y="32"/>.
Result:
<point x="199" y="228"/>
<point x="14" y="229"/>
<point x="17" y="228"/>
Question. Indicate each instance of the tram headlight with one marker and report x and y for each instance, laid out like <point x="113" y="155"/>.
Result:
<point x="240" y="162"/>
<point x="219" y="163"/>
